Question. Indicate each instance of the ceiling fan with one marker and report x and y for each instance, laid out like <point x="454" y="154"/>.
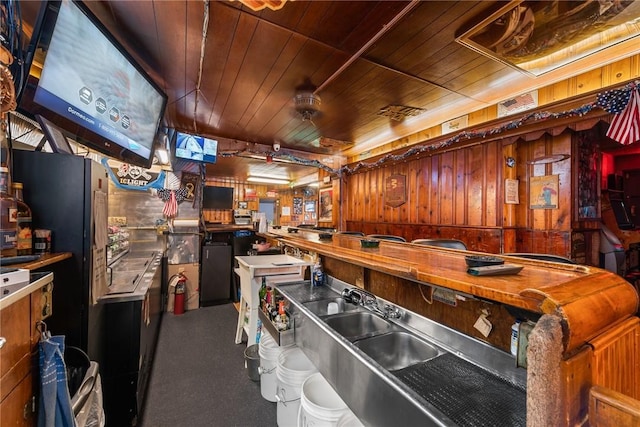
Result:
<point x="307" y="105"/>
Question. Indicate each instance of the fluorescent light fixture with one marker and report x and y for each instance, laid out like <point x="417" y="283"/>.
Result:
<point x="267" y="180"/>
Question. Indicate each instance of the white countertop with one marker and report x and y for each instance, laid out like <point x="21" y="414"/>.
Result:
<point x="20" y="290"/>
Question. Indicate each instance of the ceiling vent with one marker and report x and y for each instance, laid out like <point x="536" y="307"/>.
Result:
<point x="400" y="112"/>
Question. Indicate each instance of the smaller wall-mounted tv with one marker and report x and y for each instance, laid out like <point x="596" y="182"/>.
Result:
<point x="197" y="148"/>
<point x="217" y="197"/>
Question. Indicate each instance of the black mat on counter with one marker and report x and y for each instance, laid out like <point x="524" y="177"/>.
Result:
<point x="198" y="376"/>
<point x="467" y="394"/>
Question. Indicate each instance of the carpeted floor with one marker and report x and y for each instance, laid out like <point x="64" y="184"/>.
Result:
<point x="199" y="376"/>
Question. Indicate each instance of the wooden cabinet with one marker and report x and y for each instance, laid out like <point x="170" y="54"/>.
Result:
<point x="19" y="354"/>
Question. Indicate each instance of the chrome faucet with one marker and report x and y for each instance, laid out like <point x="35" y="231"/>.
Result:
<point x="369" y="301"/>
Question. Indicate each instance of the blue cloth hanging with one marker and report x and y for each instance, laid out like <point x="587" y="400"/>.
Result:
<point x="55" y="402"/>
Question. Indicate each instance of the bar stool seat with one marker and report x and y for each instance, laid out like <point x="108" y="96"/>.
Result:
<point x="543" y="257"/>
<point x="386" y="237"/>
<point x="443" y="243"/>
<point x="352" y="233"/>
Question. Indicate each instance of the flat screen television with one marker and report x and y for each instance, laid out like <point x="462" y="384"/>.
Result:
<point x="90" y="86"/>
<point x="217" y="197"/>
<point x="197" y="148"/>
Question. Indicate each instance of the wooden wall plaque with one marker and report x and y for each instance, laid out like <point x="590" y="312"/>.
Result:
<point x="395" y="193"/>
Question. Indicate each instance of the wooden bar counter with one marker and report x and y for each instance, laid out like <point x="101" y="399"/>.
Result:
<point x="586" y="331"/>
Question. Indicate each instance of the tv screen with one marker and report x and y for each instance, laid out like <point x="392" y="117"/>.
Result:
<point x="90" y="86"/>
<point x="58" y="142"/>
<point x="198" y="148"/>
<point x="217" y="197"/>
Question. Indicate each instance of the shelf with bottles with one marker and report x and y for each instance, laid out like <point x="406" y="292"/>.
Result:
<point x="275" y="316"/>
<point x="118" y="242"/>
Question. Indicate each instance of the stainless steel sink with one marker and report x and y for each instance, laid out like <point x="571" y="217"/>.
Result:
<point x="320" y="307"/>
<point x="397" y="350"/>
<point x="357" y="324"/>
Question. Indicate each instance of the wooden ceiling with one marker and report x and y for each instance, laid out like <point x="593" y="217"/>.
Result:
<point x="232" y="73"/>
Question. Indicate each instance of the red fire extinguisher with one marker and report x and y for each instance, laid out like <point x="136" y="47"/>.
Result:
<point x="178" y="301"/>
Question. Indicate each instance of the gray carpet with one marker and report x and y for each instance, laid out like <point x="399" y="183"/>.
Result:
<point x="199" y="377"/>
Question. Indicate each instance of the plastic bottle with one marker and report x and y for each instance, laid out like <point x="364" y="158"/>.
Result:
<point x="515" y="330"/>
<point x="24" y="243"/>
<point x="8" y="225"/>
<point x="317" y="275"/>
<point x="8" y="215"/>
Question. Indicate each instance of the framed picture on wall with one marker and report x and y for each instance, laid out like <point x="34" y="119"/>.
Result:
<point x="310" y="206"/>
<point x="543" y="193"/>
<point x="325" y="213"/>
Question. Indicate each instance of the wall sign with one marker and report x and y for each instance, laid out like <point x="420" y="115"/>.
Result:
<point x="395" y="193"/>
<point x="511" y="191"/>
<point x="190" y="182"/>
<point x="543" y="192"/>
<point x="134" y="177"/>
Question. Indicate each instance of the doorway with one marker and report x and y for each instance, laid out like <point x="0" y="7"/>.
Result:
<point x="268" y="206"/>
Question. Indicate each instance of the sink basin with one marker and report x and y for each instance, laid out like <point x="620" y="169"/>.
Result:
<point x="320" y="307"/>
<point x="357" y="324"/>
<point x="397" y="350"/>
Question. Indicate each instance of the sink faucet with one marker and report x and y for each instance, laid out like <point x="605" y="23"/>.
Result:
<point x="370" y="302"/>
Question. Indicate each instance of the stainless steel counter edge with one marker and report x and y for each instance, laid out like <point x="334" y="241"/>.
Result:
<point x="311" y="335"/>
<point x="24" y="290"/>
<point x="141" y="289"/>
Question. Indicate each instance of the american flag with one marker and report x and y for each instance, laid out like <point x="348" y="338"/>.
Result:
<point x="170" y="206"/>
<point x="625" y="126"/>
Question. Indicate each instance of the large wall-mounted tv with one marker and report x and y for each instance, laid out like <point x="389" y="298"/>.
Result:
<point x="198" y="148"/>
<point x="90" y="86"/>
<point x="217" y="197"/>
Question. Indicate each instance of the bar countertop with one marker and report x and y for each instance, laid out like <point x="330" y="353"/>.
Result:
<point x="44" y="261"/>
<point x="543" y="287"/>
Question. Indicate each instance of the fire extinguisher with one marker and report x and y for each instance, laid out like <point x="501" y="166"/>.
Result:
<point x="179" y="293"/>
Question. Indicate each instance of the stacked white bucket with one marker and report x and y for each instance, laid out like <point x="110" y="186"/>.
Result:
<point x="292" y="370"/>
<point x="321" y="406"/>
<point x="269" y="351"/>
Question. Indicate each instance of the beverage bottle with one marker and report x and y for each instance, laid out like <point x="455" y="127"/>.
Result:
<point x="262" y="293"/>
<point x="8" y="217"/>
<point x="24" y="243"/>
<point x="8" y="206"/>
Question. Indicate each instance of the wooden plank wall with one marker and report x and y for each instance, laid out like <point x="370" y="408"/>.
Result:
<point x="460" y="194"/>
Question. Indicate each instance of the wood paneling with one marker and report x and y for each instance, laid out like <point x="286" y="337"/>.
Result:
<point x="460" y="194"/>
<point x="608" y="408"/>
<point x="453" y="188"/>
<point x="621" y="344"/>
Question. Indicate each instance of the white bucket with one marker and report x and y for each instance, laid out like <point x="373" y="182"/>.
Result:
<point x="349" y="420"/>
<point x="292" y="369"/>
<point x="269" y="351"/>
<point x="320" y="405"/>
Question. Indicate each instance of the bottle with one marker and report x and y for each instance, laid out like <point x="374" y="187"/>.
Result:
<point x="8" y="224"/>
<point x="8" y="206"/>
<point x="515" y="329"/>
<point x="317" y="275"/>
<point x="24" y="242"/>
<point x="262" y="293"/>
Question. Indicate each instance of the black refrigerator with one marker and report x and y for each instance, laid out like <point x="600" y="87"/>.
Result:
<point x="215" y="273"/>
<point x="59" y="188"/>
